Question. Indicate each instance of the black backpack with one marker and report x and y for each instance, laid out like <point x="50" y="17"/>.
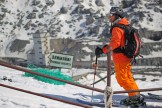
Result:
<point x="132" y="44"/>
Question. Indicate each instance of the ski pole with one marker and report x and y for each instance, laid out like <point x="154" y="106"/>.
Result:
<point x="95" y="66"/>
<point x="101" y="79"/>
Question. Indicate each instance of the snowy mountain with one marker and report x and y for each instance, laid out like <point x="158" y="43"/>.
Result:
<point x="86" y="17"/>
<point x="74" y="19"/>
<point x="72" y="27"/>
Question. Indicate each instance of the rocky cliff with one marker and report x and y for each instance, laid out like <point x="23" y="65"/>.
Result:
<point x="75" y="19"/>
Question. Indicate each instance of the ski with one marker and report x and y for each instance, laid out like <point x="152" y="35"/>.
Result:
<point x="88" y="100"/>
<point x="99" y="102"/>
<point x="152" y="96"/>
<point x="116" y="105"/>
<point x="84" y="99"/>
<point x="158" y="97"/>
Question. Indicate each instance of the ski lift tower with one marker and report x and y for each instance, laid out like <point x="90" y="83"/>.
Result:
<point x="41" y="48"/>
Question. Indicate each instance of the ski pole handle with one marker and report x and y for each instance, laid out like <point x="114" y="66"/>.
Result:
<point x="96" y="60"/>
<point x="94" y="65"/>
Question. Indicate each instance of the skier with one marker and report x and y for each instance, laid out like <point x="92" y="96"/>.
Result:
<point x="122" y="64"/>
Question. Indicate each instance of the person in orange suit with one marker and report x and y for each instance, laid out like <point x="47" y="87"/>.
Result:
<point x="122" y="64"/>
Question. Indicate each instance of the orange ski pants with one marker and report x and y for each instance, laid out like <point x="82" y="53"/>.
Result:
<point x="124" y="77"/>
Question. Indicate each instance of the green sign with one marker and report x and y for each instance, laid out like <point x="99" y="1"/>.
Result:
<point x="61" y="60"/>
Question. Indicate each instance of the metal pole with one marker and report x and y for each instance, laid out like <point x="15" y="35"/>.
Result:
<point x="94" y="76"/>
<point x="45" y="96"/>
<point x="101" y="79"/>
<point x="46" y="76"/>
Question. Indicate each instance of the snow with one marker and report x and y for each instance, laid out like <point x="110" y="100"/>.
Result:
<point x="87" y="49"/>
<point x="86" y="58"/>
<point x="154" y="54"/>
<point x="14" y="99"/>
<point x="154" y="15"/>
<point x="92" y="43"/>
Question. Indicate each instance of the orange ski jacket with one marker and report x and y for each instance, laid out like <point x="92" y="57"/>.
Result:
<point x="117" y="40"/>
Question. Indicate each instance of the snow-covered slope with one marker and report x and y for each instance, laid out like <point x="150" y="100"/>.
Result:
<point x="14" y="99"/>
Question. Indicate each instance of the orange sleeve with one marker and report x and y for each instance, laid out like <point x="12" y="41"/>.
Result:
<point x="116" y="39"/>
<point x="106" y="49"/>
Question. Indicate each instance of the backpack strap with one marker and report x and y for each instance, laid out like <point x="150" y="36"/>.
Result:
<point x="124" y="27"/>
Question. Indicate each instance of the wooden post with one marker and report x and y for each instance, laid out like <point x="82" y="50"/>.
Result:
<point x="108" y="89"/>
<point x="109" y="69"/>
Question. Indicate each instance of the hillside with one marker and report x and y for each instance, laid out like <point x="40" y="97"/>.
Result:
<point x="74" y="19"/>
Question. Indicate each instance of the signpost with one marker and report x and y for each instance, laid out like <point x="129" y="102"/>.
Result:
<point x="61" y="60"/>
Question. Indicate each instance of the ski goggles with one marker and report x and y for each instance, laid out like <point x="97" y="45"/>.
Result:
<point x="110" y="14"/>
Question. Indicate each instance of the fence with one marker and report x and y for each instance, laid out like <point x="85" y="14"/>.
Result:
<point x="72" y="83"/>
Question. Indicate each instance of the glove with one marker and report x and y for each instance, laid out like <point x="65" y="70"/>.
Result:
<point x="106" y="49"/>
<point x="98" y="51"/>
